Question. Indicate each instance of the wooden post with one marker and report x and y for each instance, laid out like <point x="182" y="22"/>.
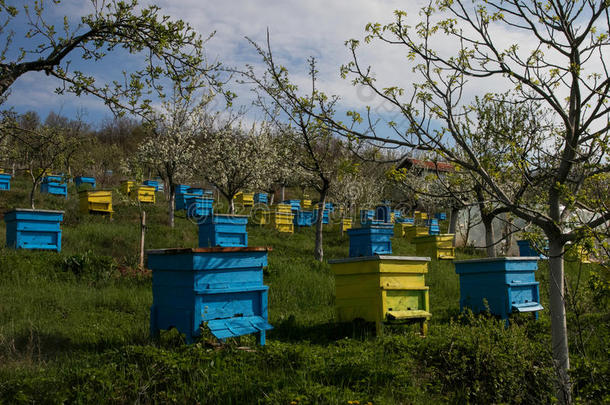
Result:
<point x="142" y="236"/>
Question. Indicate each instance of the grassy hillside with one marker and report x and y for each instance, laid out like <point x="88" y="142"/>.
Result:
<point x="74" y="327"/>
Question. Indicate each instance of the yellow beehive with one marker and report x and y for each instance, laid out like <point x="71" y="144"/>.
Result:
<point x="392" y="217"/>
<point x="282" y="221"/>
<point x="400" y="229"/>
<point x="95" y="201"/>
<point x="1" y="170"/>
<point x="283" y="208"/>
<point x="382" y="289"/>
<point x="346" y="223"/>
<point x="126" y="186"/>
<point x="306" y="204"/>
<point x="412" y="232"/>
<point x="435" y="246"/>
<point x="258" y="217"/>
<point x="244" y="199"/>
<point x="420" y="216"/>
<point x="144" y="194"/>
<point x="47" y="172"/>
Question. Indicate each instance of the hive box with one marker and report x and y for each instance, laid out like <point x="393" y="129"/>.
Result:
<point x="346" y="223"/>
<point x="507" y="284"/>
<point x="435" y="246"/>
<point x="144" y="194"/>
<point x="433" y="228"/>
<point x="261" y="198"/>
<point x="282" y="221"/>
<point x="79" y="180"/>
<point x="152" y="183"/>
<point x="244" y="199"/>
<point x="382" y="289"/>
<point x="527" y="250"/>
<point x="199" y="206"/>
<point x="220" y="288"/>
<point x="366" y="216"/>
<point x="295" y="205"/>
<point x="97" y="201"/>
<point x="411" y="232"/>
<point x="382" y="213"/>
<point x="441" y="216"/>
<point x="223" y="230"/>
<point x="325" y="216"/>
<point x="126" y="186"/>
<point x="33" y="229"/>
<point x="5" y="181"/>
<point x="53" y="185"/>
<point x="370" y="240"/>
<point x="303" y="218"/>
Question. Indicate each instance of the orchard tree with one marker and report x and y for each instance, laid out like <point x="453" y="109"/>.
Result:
<point x="168" y="48"/>
<point x="171" y="147"/>
<point x="234" y="159"/>
<point x="455" y="48"/>
<point x="319" y="152"/>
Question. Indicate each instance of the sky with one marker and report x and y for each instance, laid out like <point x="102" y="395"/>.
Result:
<point x="298" y="30"/>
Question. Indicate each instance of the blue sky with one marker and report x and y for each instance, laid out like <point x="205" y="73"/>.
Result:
<point x="298" y="30"/>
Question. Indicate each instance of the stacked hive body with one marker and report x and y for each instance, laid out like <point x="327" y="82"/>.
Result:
<point x="5" y="181"/>
<point x="33" y="229"/>
<point x="95" y="201"/>
<point x="420" y="216"/>
<point x="295" y="205"/>
<point x="370" y="240"/>
<point x="346" y="223"/>
<point x="383" y="213"/>
<point x="505" y="284"/>
<point x="54" y="185"/>
<point x="433" y="228"/>
<point x="244" y="199"/>
<point x="152" y="183"/>
<point x="411" y="232"/>
<point x="144" y="194"/>
<point x="223" y="231"/>
<point x="282" y="218"/>
<point x="199" y="206"/>
<point x="306" y="203"/>
<point x="218" y="288"/>
<point x="303" y="218"/>
<point x="80" y="180"/>
<point x="127" y="186"/>
<point x="441" y="216"/>
<point x="261" y="198"/>
<point x="435" y="246"/>
<point x="382" y="289"/>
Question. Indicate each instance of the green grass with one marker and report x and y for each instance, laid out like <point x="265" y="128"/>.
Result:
<point x="74" y="327"/>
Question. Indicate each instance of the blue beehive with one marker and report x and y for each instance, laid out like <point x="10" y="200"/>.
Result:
<point x="78" y="180"/>
<point x="295" y="205"/>
<point x="221" y="288"/>
<point x="406" y="220"/>
<point x="382" y="213"/>
<point x="330" y="207"/>
<point x="397" y="215"/>
<point x="433" y="228"/>
<point x="366" y="216"/>
<point x="441" y="216"/>
<point x="152" y="183"/>
<point x="33" y="229"/>
<point x="53" y="185"/>
<point x="195" y="190"/>
<point x="261" y="198"/>
<point x="506" y="283"/>
<point x="325" y="216"/>
<point x="370" y="240"/>
<point x="199" y="206"/>
<point x="224" y="231"/>
<point x="303" y="218"/>
<point x="527" y="250"/>
<point x="5" y="181"/>
<point x="180" y="197"/>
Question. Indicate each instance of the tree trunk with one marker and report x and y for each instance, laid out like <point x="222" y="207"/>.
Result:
<point x="142" y="238"/>
<point x="32" y="195"/>
<point x="172" y="201"/>
<point x="453" y="219"/>
<point x="559" y="330"/>
<point x="489" y="235"/>
<point x="319" y="249"/>
<point x="271" y="197"/>
<point x="231" y="205"/>
<point x="283" y="192"/>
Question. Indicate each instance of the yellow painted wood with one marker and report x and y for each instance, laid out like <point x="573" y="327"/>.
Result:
<point x="144" y="194"/>
<point x="400" y="229"/>
<point x="95" y="201"/>
<point x="1" y="170"/>
<point x="260" y="217"/>
<point x="412" y="232"/>
<point x="346" y="223"/>
<point x="374" y="288"/>
<point x="420" y="215"/>
<point x="392" y="217"/>
<point x="282" y="221"/>
<point x="283" y="208"/>
<point x="306" y="204"/>
<point x="126" y="186"/>
<point x="435" y="246"/>
<point x="244" y="199"/>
